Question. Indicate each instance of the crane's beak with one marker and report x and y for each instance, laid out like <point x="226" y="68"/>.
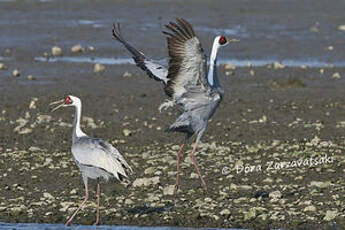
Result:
<point x="57" y="102"/>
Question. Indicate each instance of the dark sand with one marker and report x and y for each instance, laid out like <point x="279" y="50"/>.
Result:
<point x="276" y="115"/>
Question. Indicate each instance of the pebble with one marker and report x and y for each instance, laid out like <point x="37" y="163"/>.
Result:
<point x="2" y="66"/>
<point x="225" y="212"/>
<point x="341" y="27"/>
<point x="330" y="215"/>
<point x="275" y="195"/>
<point x="77" y="49"/>
<point x="169" y="190"/>
<point x="98" y="68"/>
<point x="56" y="51"/>
<point x="277" y="65"/>
<point x="310" y="208"/>
<point x="127" y="74"/>
<point x="229" y="66"/>
<point x="320" y="184"/>
<point x="91" y="48"/>
<point x="145" y="181"/>
<point x="31" y="77"/>
<point x="126" y="132"/>
<point x="15" y="73"/>
<point x="336" y="75"/>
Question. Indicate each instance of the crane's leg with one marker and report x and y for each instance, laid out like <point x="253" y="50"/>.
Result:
<point x="81" y="206"/>
<point x="98" y="199"/>
<point x="177" y="185"/>
<point x="196" y="164"/>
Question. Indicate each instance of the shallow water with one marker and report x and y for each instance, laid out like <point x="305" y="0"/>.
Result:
<point x="10" y="226"/>
<point x="235" y="62"/>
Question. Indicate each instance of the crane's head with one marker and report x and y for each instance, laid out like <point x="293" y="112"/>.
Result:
<point x="68" y="101"/>
<point x="223" y="41"/>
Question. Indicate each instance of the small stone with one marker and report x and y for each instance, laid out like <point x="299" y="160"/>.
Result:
<point x="145" y="181"/>
<point x="229" y="66"/>
<point x="277" y="65"/>
<point x="15" y="73"/>
<point x="225" y="212"/>
<point x="320" y="184"/>
<point x="127" y="74"/>
<point x="48" y="196"/>
<point x="2" y="66"/>
<point x="341" y="27"/>
<point x="31" y="77"/>
<point x="126" y="132"/>
<point x="149" y="170"/>
<point x="310" y="208"/>
<point x="91" y="48"/>
<point x="251" y="214"/>
<point x="73" y="192"/>
<point x="98" y="68"/>
<point x="275" y="195"/>
<point x="336" y="75"/>
<point x="77" y="49"/>
<point x="169" y="190"/>
<point x="56" y="51"/>
<point x="330" y="215"/>
<point x="129" y="202"/>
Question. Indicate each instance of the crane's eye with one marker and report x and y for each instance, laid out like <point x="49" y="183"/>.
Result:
<point x="68" y="101"/>
<point x="222" y="40"/>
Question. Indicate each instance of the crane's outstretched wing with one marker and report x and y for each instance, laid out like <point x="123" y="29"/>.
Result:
<point x="152" y="68"/>
<point x="187" y="64"/>
<point x="100" y="154"/>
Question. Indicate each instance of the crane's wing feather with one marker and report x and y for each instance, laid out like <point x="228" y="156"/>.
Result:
<point x="187" y="63"/>
<point x="153" y="69"/>
<point x="101" y="154"/>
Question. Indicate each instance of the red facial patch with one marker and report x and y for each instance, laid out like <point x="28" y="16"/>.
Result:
<point x="68" y="100"/>
<point x="222" y="40"/>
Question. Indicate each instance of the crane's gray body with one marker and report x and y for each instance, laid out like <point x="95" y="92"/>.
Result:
<point x="186" y="80"/>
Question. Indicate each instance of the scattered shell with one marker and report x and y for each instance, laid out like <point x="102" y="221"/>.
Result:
<point x="127" y="74"/>
<point x="145" y="181"/>
<point x="16" y="73"/>
<point x="169" y="190"/>
<point x="2" y="66"/>
<point x="126" y="132"/>
<point x="77" y="49"/>
<point x="98" y="68"/>
<point x="277" y="65"/>
<point x="336" y="75"/>
<point x="56" y="51"/>
<point x="341" y="27"/>
<point x="31" y="77"/>
<point x="229" y="66"/>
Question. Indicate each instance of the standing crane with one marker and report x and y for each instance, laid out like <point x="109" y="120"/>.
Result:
<point x="186" y="81"/>
<point x="96" y="158"/>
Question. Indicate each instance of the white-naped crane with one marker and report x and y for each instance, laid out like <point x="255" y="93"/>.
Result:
<point x="95" y="157"/>
<point x="187" y="81"/>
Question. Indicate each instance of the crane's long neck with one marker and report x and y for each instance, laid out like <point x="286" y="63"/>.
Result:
<point x="212" y="71"/>
<point x="77" y="132"/>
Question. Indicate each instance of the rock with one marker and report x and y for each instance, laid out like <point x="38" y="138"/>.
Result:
<point x="320" y="184"/>
<point x="31" y="77"/>
<point x="2" y="66"/>
<point x="310" y="208"/>
<point x="98" y="68"/>
<point x="330" y="215"/>
<point x="229" y="66"/>
<point x="73" y="192"/>
<point x="150" y="170"/>
<point x="25" y="131"/>
<point x="127" y="74"/>
<point x="90" y="122"/>
<point x="129" y="202"/>
<point x="275" y="195"/>
<point x="341" y="27"/>
<point x="169" y="190"/>
<point x="44" y="118"/>
<point x="34" y="149"/>
<point x="277" y="65"/>
<point x="91" y="48"/>
<point x="126" y="132"/>
<point x="77" y="49"/>
<point x="225" y="212"/>
<point x="48" y="196"/>
<point x="146" y="181"/>
<point x="3" y="208"/>
<point x="56" y="51"/>
<point x="15" y="73"/>
<point x="251" y="214"/>
<point x="336" y="75"/>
